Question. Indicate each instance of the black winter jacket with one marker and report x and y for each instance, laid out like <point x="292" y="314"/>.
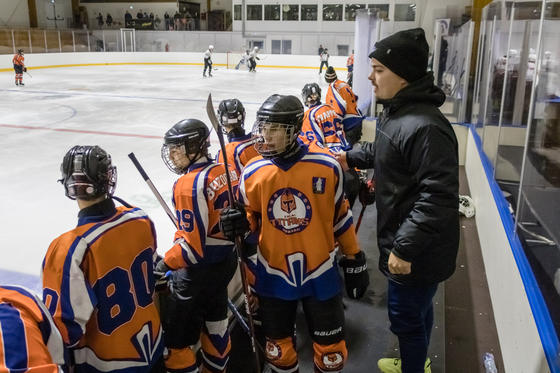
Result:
<point x="415" y="157"/>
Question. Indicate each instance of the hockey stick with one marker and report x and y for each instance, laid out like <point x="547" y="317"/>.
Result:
<point x="164" y="205"/>
<point x="31" y="76"/>
<point x="238" y="243"/>
<point x="153" y="189"/>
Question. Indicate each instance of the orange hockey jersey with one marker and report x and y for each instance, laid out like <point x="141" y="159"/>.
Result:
<point x="18" y="59"/>
<point x="29" y="339"/>
<point x="98" y="284"/>
<point x="343" y="100"/>
<point x="322" y="124"/>
<point x="298" y="210"/>
<point x="198" y="197"/>
<point x="240" y="150"/>
<point x="350" y="63"/>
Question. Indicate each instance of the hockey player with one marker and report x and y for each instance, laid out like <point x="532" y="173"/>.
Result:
<point x="324" y="57"/>
<point x="321" y="124"/>
<point x="296" y="208"/>
<point x="343" y="100"/>
<point x="19" y="66"/>
<point x="98" y="280"/>
<point x="202" y="259"/>
<point x="350" y="67"/>
<point x="253" y="59"/>
<point x="240" y="149"/>
<point x="29" y="339"/>
<point x="244" y="60"/>
<point x="208" y="61"/>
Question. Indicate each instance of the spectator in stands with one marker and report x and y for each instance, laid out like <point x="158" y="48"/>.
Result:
<point x="139" y="15"/>
<point x="152" y="16"/>
<point x="100" y="20"/>
<point x="145" y="17"/>
<point x="167" y="23"/>
<point x="157" y="22"/>
<point x="109" y="20"/>
<point x="127" y="19"/>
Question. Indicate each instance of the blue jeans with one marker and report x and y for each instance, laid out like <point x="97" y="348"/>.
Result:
<point x="412" y="316"/>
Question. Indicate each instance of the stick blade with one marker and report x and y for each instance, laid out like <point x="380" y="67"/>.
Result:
<point x="212" y="114"/>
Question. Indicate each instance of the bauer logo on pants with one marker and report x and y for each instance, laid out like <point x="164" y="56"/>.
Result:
<point x="289" y="210"/>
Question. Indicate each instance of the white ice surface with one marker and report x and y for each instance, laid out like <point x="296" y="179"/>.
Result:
<point x="109" y="106"/>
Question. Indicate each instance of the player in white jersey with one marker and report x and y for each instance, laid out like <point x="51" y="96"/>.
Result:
<point x="208" y="61"/>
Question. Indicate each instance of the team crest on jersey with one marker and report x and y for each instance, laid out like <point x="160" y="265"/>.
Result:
<point x="333" y="360"/>
<point x="319" y="185"/>
<point x="289" y="210"/>
<point x="273" y="350"/>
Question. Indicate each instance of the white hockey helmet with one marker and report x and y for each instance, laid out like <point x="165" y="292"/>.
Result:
<point x="256" y="48"/>
<point x="210" y="46"/>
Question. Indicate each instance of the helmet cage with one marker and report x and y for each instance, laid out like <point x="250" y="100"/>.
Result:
<point x="193" y="145"/>
<point x="273" y="139"/>
<point x="87" y="173"/>
<point x="311" y="94"/>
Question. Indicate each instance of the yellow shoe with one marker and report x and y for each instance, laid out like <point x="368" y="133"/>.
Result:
<point x="393" y="365"/>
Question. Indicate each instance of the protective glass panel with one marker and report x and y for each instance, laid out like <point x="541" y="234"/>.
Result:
<point x="332" y="12"/>
<point x="21" y="39"/>
<point x="81" y="41"/>
<point x="309" y="12"/>
<point x="6" y="45"/>
<point x="290" y="12"/>
<point x="350" y="11"/>
<point x="272" y="12"/>
<point x="53" y="44"/>
<point x="66" y="41"/>
<point x="254" y="12"/>
<point x="38" y="41"/>
<point x="405" y="12"/>
<point x="538" y="215"/>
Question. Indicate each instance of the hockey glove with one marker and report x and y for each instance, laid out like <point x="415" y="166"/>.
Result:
<point x="233" y="222"/>
<point x="161" y="275"/>
<point x="25" y="69"/>
<point x="367" y="193"/>
<point x="356" y="277"/>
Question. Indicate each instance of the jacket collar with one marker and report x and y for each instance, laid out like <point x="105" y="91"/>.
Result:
<point x="98" y="212"/>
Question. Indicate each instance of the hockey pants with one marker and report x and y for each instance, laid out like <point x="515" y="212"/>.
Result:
<point x="197" y="309"/>
<point x="325" y="321"/>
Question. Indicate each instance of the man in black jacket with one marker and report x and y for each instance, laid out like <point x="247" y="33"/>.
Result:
<point x="415" y="158"/>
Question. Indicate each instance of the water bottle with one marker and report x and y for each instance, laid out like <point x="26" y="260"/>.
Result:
<point x="489" y="363"/>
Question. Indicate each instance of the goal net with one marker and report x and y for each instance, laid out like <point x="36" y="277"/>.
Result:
<point x="235" y="60"/>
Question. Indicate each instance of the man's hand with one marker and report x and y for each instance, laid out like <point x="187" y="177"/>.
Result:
<point x="341" y="158"/>
<point x="398" y="266"/>
<point x="233" y="222"/>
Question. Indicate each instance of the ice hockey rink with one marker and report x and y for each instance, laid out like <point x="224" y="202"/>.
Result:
<point x="125" y="109"/>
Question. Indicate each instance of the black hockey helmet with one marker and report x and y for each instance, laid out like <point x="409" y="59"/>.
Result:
<point x="87" y="173"/>
<point x="311" y="94"/>
<point x="20" y="51"/>
<point x="189" y="137"/>
<point x="231" y="114"/>
<point x="278" y="124"/>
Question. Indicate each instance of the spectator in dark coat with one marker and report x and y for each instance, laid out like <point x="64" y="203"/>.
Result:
<point x="100" y="20"/>
<point x="415" y="157"/>
<point x="109" y="20"/>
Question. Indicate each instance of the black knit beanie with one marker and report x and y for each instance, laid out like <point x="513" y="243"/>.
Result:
<point x="330" y="74"/>
<point x="405" y="53"/>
